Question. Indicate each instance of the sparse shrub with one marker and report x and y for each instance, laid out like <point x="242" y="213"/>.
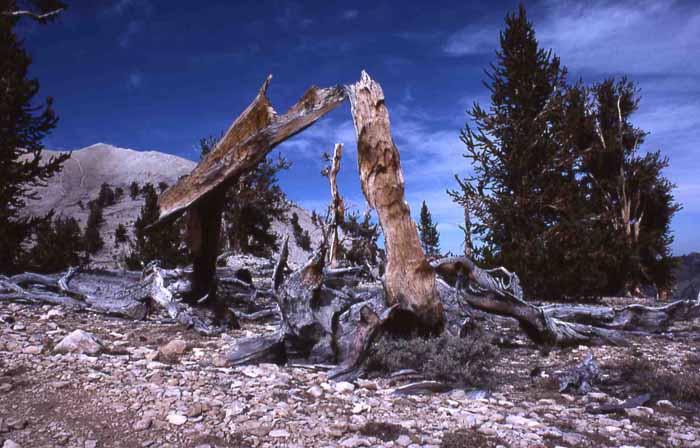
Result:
<point x="642" y="376"/>
<point x="383" y="431"/>
<point x="118" y="193"/>
<point x="448" y="358"/>
<point x="469" y="438"/>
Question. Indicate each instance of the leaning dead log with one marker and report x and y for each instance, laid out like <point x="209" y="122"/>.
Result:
<point x="409" y="280"/>
<point x="246" y="143"/>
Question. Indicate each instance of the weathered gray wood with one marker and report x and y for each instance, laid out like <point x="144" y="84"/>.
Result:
<point x="246" y="143"/>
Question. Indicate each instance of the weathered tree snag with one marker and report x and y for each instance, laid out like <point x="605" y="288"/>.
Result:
<point x="203" y="230"/>
<point x="246" y="143"/>
<point x="409" y="280"/>
<point x="337" y="205"/>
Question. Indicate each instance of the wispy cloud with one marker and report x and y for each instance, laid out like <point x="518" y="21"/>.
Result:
<point x="647" y="36"/>
<point x="134" y="80"/>
<point x="350" y="14"/>
<point x="133" y="28"/>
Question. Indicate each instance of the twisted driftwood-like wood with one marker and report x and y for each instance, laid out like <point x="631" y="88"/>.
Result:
<point x="409" y="280"/>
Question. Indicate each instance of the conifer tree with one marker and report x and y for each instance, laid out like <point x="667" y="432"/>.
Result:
<point x="23" y="126"/>
<point x="429" y="235"/>
<point x="59" y="245"/>
<point x="106" y="197"/>
<point x="163" y="243"/>
<point x="363" y="236"/>
<point x="134" y="190"/>
<point x="629" y="191"/>
<point x="93" y="239"/>
<point x="120" y="234"/>
<point x="301" y="236"/>
<point x="515" y="157"/>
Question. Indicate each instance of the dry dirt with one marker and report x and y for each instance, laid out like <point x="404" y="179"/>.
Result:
<point x="126" y="397"/>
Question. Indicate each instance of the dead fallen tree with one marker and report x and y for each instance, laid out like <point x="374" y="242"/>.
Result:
<point x="122" y="295"/>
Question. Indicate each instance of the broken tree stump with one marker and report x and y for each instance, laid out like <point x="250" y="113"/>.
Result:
<point x="409" y="280"/>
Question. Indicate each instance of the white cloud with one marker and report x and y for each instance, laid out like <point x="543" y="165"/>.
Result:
<point x="625" y="37"/>
<point x="647" y="36"/>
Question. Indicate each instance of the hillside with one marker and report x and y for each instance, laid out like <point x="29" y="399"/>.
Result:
<point x="688" y="276"/>
<point x="69" y="192"/>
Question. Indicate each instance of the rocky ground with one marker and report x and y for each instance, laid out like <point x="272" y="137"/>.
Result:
<point x="153" y="384"/>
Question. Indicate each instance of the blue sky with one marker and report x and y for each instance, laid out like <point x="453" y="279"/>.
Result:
<point x="159" y="75"/>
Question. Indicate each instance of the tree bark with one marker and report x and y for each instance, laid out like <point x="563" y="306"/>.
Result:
<point x="409" y="279"/>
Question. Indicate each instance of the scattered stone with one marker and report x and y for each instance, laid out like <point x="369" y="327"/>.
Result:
<point x="279" y="433"/>
<point x="5" y="387"/>
<point x="344" y="387"/>
<point x="16" y="423"/>
<point x="194" y="410"/>
<point x="172" y="349"/>
<point x="315" y="391"/>
<point x="90" y="444"/>
<point x="33" y="350"/>
<point x="10" y="444"/>
<point x="79" y="341"/>
<point x="143" y="424"/>
<point x="403" y="440"/>
<point x="176" y="419"/>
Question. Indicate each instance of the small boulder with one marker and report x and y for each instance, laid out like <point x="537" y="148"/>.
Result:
<point x="79" y="341"/>
<point x="172" y="349"/>
<point x="10" y="444"/>
<point x="176" y="419"/>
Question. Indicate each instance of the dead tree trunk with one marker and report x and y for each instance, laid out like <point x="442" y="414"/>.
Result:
<point x="246" y="143"/>
<point x="409" y="280"/>
<point x="338" y="207"/>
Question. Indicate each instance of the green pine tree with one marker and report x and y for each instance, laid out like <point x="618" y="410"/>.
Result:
<point x="59" y="245"/>
<point x="163" y="243"/>
<point x="519" y="168"/>
<point x="23" y="126"/>
<point x="429" y="235"/>
<point x="93" y="239"/>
